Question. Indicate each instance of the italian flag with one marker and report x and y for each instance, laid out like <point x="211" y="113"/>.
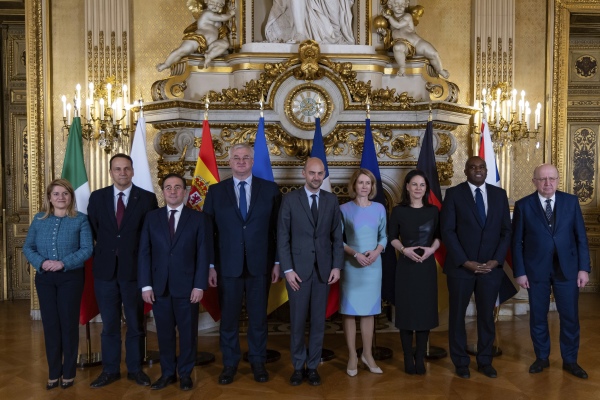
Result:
<point x="74" y="172"/>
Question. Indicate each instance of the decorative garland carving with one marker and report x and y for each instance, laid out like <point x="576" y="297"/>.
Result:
<point x="167" y="143"/>
<point x="584" y="160"/>
<point x="445" y="144"/>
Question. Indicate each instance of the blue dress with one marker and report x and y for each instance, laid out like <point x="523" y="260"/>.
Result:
<point x="360" y="287"/>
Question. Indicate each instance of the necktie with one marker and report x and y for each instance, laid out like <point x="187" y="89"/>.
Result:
<point x="480" y="205"/>
<point x="313" y="207"/>
<point x="548" y="210"/>
<point x="172" y="223"/>
<point x="243" y="202"/>
<point x="120" y="209"/>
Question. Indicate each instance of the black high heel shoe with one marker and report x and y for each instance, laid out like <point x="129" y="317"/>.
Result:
<point x="67" y="383"/>
<point x="52" y="384"/>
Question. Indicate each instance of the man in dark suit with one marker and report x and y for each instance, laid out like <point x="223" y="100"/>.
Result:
<point x="550" y="250"/>
<point x="244" y="212"/>
<point x="116" y="214"/>
<point x="475" y="225"/>
<point x="175" y="252"/>
<point x="311" y="253"/>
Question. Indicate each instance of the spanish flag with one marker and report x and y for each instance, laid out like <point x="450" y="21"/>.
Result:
<point x="206" y="174"/>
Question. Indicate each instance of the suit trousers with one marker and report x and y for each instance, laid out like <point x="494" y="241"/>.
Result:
<point x="312" y="296"/>
<point x="231" y="294"/>
<point x="60" y="299"/>
<point x="566" y="294"/>
<point x="171" y="312"/>
<point x="485" y="287"/>
<point x="110" y="295"/>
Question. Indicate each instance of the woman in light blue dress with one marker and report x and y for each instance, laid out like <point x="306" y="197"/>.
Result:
<point x="360" y="284"/>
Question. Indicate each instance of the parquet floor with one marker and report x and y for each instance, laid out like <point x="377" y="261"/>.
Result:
<point x="23" y="369"/>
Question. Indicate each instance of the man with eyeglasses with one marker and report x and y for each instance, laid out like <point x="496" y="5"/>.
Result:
<point x="475" y="226"/>
<point x="550" y="251"/>
<point x="244" y="211"/>
<point x="175" y="250"/>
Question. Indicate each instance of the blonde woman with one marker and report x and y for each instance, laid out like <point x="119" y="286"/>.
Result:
<point x="58" y="242"/>
<point x="360" y="284"/>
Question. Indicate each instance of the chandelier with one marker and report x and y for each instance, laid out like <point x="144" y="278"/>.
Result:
<point x="509" y="121"/>
<point x="106" y="118"/>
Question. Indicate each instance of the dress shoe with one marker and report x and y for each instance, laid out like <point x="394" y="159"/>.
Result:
<point x="260" y="372"/>
<point x="139" y="377"/>
<point x="297" y="377"/>
<point x="352" y="369"/>
<point x="52" y="384"/>
<point x="463" y="372"/>
<point x="488" y="371"/>
<point x="105" y="379"/>
<point x="538" y="365"/>
<point x="375" y="369"/>
<point x="186" y="383"/>
<point x="163" y="382"/>
<point x="575" y="369"/>
<point x="67" y="383"/>
<point x="409" y="364"/>
<point x="313" y="377"/>
<point x="227" y="375"/>
<point x="420" y="366"/>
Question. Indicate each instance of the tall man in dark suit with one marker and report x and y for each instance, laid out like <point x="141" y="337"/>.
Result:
<point x="244" y="211"/>
<point x="550" y="250"/>
<point x="311" y="252"/>
<point x="475" y="225"/>
<point x="175" y="252"/>
<point x="116" y="214"/>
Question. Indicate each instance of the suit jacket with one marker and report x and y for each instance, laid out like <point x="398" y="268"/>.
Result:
<point x="300" y="243"/>
<point x="464" y="236"/>
<point x="111" y="240"/>
<point x="233" y="236"/>
<point x="179" y="264"/>
<point x="534" y="242"/>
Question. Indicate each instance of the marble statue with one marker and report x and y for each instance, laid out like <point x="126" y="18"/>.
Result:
<point x="324" y="21"/>
<point x="405" y="40"/>
<point x="209" y="37"/>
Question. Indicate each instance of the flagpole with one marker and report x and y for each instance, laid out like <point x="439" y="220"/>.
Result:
<point x="204" y="357"/>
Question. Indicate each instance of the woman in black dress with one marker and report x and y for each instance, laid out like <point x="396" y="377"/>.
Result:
<point x="414" y="232"/>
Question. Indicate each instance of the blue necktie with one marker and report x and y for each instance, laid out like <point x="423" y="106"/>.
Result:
<point x="480" y="205"/>
<point x="243" y="202"/>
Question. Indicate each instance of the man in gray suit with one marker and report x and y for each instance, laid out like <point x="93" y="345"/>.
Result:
<point x="311" y="254"/>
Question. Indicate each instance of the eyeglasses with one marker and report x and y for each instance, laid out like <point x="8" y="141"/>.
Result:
<point x="548" y="179"/>
<point x="244" y="159"/>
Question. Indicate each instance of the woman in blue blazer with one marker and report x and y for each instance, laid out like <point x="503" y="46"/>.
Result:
<point x="58" y="242"/>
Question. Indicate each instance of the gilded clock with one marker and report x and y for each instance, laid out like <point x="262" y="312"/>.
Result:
<point x="305" y="103"/>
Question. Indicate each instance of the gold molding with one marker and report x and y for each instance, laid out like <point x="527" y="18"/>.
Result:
<point x="558" y="136"/>
<point x="37" y="39"/>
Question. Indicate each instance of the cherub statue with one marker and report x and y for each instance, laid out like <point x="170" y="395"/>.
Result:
<point x="405" y="41"/>
<point x="208" y="35"/>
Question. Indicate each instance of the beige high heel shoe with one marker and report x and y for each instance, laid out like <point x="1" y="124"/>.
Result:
<point x="375" y="370"/>
<point x="352" y="372"/>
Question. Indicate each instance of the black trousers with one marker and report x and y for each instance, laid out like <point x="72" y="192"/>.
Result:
<point x="60" y="299"/>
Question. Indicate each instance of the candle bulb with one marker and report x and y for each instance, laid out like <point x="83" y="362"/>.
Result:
<point x="498" y="93"/>
<point x="109" y="94"/>
<point x="102" y="109"/>
<point x="91" y="91"/>
<point x="69" y="112"/>
<point x="64" y="102"/>
<point x="78" y="95"/>
<point x="483" y="93"/>
<point x="514" y="99"/>
<point x="88" y="105"/>
<point x="493" y="109"/>
<point x="125" y="98"/>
